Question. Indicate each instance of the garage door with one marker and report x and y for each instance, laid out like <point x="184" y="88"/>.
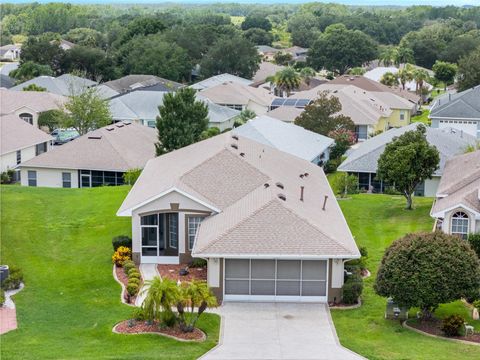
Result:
<point x="275" y="280"/>
<point x="468" y="127"/>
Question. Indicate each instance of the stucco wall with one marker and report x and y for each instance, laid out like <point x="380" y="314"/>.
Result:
<point x="49" y="177"/>
<point x="393" y="120"/>
<point x="223" y="125"/>
<point x="431" y="186"/>
<point x="28" y="111"/>
<point x="9" y="160"/>
<point x="447" y="221"/>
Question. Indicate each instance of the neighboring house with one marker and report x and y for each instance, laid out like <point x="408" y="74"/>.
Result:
<point x="135" y="82"/>
<point x="371" y="112"/>
<point x="298" y="53"/>
<point x="267" y="52"/>
<point x="220" y="79"/>
<point x="240" y="97"/>
<point x="98" y="158"/>
<point x="287" y="137"/>
<point x="141" y="106"/>
<point x="20" y="142"/>
<point x="6" y="82"/>
<point x="64" y="44"/>
<point x="457" y="205"/>
<point x="460" y="111"/>
<point x="10" y="52"/>
<point x="377" y="74"/>
<point x="285" y="113"/>
<point x="28" y="105"/>
<point x="266" y="69"/>
<point x="65" y="84"/>
<point x="267" y="222"/>
<point x="363" y="161"/>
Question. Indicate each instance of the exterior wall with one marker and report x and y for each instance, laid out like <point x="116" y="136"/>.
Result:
<point x="257" y="108"/>
<point x="436" y="124"/>
<point x="431" y="186"/>
<point x="9" y="160"/>
<point x="323" y="157"/>
<point x="473" y="222"/>
<point x="223" y="125"/>
<point x="215" y="277"/>
<point x="29" y="111"/>
<point x="49" y="177"/>
<point x="393" y="120"/>
<point x="335" y="280"/>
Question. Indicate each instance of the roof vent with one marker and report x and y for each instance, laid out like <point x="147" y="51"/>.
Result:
<point x="242" y="154"/>
<point x="119" y="125"/>
<point x="282" y="197"/>
<point x="95" y="137"/>
<point x="127" y="122"/>
<point x="266" y="185"/>
<point x="306" y="174"/>
<point x="325" y="202"/>
<point x="235" y="146"/>
<point x="280" y="185"/>
<point x="110" y="128"/>
<point x="235" y="137"/>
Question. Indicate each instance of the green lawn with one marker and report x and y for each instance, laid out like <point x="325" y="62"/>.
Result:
<point x="61" y="238"/>
<point x="423" y="118"/>
<point x="375" y="221"/>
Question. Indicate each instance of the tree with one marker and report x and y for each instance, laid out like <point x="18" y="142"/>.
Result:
<point x="94" y="63"/>
<point x="307" y="74"/>
<point x="246" y="115"/>
<point x="343" y="140"/>
<point x="469" y="71"/>
<point x="427" y="269"/>
<point x="142" y="26"/>
<point x="42" y="51"/>
<point x="194" y="295"/>
<point x="28" y="70"/>
<point x="320" y="116"/>
<point x="405" y="75"/>
<point x="282" y="58"/>
<point x="407" y="161"/>
<point x="181" y="122"/>
<point x="86" y="37"/>
<point x="50" y="119"/>
<point x="258" y="36"/>
<point x="286" y="80"/>
<point x="256" y="21"/>
<point x="86" y="111"/>
<point x="404" y="56"/>
<point x="388" y="55"/>
<point x="389" y="79"/>
<point x="357" y="71"/>
<point x="34" y="87"/>
<point x="339" y="49"/>
<point x="444" y="72"/>
<point x="161" y="295"/>
<point x="235" y="55"/>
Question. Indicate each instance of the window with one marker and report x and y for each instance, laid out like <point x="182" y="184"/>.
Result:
<point x="91" y="178"/>
<point x="40" y="148"/>
<point x="66" y="180"/>
<point x="149" y="228"/>
<point x="173" y="230"/>
<point x="27" y="117"/>
<point x="460" y="224"/>
<point x="19" y="156"/>
<point x="193" y="224"/>
<point x="32" y="178"/>
<point x="402" y="114"/>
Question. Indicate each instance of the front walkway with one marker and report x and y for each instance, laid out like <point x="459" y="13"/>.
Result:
<point x="8" y="313"/>
<point x="278" y="331"/>
<point x="148" y="271"/>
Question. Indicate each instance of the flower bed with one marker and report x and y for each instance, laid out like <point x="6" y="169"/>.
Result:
<point x="173" y="272"/>
<point x="123" y="278"/>
<point x="433" y="327"/>
<point x="142" y="327"/>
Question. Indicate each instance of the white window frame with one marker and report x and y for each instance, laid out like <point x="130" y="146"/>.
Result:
<point x="69" y="182"/>
<point x="460" y="224"/>
<point x="30" y="178"/>
<point x="194" y="221"/>
<point x="170" y="232"/>
<point x="141" y="235"/>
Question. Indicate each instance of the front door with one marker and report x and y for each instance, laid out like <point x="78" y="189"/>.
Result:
<point x="86" y="180"/>
<point x="154" y="230"/>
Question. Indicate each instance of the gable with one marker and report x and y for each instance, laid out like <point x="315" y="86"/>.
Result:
<point x="169" y="200"/>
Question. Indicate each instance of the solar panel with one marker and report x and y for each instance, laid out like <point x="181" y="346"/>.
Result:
<point x="302" y="102"/>
<point x="290" y="102"/>
<point x="278" y="102"/>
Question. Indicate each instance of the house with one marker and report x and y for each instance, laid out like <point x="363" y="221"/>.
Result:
<point x="20" y="142"/>
<point x="362" y="162"/>
<point x="285" y="113"/>
<point x="134" y="82"/>
<point x="28" y="105"/>
<point x="220" y="79"/>
<point x="64" y="44"/>
<point x="267" y="52"/>
<point x="460" y="111"/>
<point x="240" y="97"/>
<point x="141" y="106"/>
<point x="298" y="53"/>
<point x="98" y="158"/>
<point x="267" y="222"/>
<point x="287" y="137"/>
<point x="65" y="84"/>
<point x="6" y="82"/>
<point x="371" y="112"/>
<point x="266" y="69"/>
<point x="457" y="204"/>
<point x="377" y="74"/>
<point x="10" y="52"/>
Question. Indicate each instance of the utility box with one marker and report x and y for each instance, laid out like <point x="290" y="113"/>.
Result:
<point x="4" y="272"/>
<point x="394" y="311"/>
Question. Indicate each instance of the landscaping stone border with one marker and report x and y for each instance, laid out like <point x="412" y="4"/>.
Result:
<point x="122" y="293"/>
<point x="204" y="337"/>
<point x="466" y="342"/>
<point x="351" y="307"/>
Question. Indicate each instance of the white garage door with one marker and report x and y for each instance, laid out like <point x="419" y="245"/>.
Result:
<point x="468" y="127"/>
<point x="275" y="280"/>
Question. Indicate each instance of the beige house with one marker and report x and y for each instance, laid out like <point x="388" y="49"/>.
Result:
<point x="28" y="105"/>
<point x="457" y="205"/>
<point x="98" y="158"/>
<point x="267" y="222"/>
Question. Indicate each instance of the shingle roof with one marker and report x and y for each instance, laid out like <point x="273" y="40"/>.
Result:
<point x="447" y="141"/>
<point x="17" y="134"/>
<point x="286" y="137"/>
<point x="285" y="113"/>
<point x="233" y="181"/>
<point x="460" y="183"/>
<point x="37" y="101"/>
<point x="61" y="85"/>
<point x="234" y="93"/>
<point x="266" y="49"/>
<point x="265" y="70"/>
<point x="6" y="81"/>
<point x="377" y="74"/>
<point x="219" y="79"/>
<point x="465" y="105"/>
<point x="131" y="82"/>
<point x="117" y="147"/>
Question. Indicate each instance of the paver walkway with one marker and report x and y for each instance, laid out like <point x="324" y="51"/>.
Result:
<point x="8" y="313"/>
<point x="148" y="271"/>
<point x="257" y="331"/>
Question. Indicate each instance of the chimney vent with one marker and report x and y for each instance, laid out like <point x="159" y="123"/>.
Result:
<point x="325" y="202"/>
<point x="234" y="146"/>
<point x="301" y="192"/>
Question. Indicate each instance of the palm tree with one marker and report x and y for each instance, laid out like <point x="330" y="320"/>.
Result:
<point x="307" y="73"/>
<point x="405" y="75"/>
<point x="420" y="75"/>
<point x="195" y="294"/>
<point x="286" y="80"/>
<point x="388" y="55"/>
<point x="161" y="296"/>
<point x="389" y="79"/>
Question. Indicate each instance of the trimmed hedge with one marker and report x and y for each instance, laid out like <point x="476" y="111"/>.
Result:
<point x="121" y="240"/>
<point x="452" y="325"/>
<point x="474" y="240"/>
<point x="352" y="289"/>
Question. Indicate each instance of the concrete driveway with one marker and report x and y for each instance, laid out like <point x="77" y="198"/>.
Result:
<point x="277" y="331"/>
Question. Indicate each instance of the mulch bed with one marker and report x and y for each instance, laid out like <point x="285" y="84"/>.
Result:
<point x="124" y="279"/>
<point x="433" y="327"/>
<point x="172" y="272"/>
<point x="141" y="327"/>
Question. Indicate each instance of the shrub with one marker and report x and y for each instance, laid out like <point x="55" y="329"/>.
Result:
<point x="352" y="289"/>
<point x="452" y="325"/>
<point x="127" y="266"/>
<point x="122" y="254"/>
<point x="2" y="297"/>
<point x="134" y="275"/>
<point x="198" y="263"/>
<point x="132" y="271"/>
<point x="476" y="304"/>
<point x="474" y="240"/>
<point x="168" y="319"/>
<point x="346" y="184"/>
<point x="331" y="165"/>
<point x="7" y="177"/>
<point x="132" y="289"/>
<point x="138" y="314"/>
<point x="134" y="281"/>
<point x="15" y="278"/>
<point x="121" y="240"/>
<point x="131" y="176"/>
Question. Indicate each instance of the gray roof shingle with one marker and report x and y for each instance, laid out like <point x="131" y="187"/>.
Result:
<point x="463" y="105"/>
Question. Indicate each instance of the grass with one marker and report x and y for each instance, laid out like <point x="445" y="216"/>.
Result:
<point x="61" y="238"/>
<point x="375" y="221"/>
<point x="423" y="117"/>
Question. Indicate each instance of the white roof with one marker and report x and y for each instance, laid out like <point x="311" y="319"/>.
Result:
<point x="377" y="74"/>
<point x="286" y="137"/>
<point x="219" y="79"/>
